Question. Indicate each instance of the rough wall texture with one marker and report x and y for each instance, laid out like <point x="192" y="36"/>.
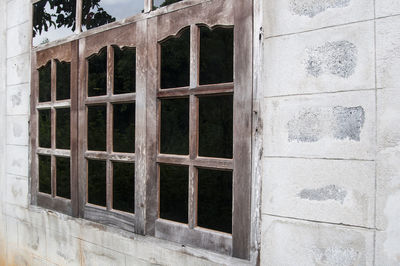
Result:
<point x="331" y="181"/>
<point x="329" y="76"/>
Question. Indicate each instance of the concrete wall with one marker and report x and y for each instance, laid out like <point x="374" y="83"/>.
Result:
<point x="328" y="76"/>
<point x="331" y="181"/>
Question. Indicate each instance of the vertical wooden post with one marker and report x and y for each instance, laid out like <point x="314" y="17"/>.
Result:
<point x="243" y="59"/>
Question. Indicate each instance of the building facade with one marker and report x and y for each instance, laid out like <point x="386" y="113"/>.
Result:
<point x="314" y="168"/>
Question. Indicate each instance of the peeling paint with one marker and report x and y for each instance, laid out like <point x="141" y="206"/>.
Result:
<point x="331" y="192"/>
<point x="337" y="58"/>
<point x="338" y="122"/>
<point x="311" y="8"/>
<point x="336" y="256"/>
<point x="348" y="122"/>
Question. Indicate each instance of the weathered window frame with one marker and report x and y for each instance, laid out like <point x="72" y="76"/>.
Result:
<point x="144" y="32"/>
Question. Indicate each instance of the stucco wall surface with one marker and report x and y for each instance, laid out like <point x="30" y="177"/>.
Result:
<point x="331" y="180"/>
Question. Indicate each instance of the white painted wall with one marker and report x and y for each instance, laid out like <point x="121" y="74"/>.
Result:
<point x="327" y="105"/>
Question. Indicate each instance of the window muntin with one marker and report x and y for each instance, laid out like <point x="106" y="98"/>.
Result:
<point x="147" y="66"/>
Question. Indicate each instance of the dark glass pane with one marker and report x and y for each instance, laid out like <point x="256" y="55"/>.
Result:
<point x="215" y="200"/>
<point x="97" y="182"/>
<point x="216" y="55"/>
<point x="124" y="187"/>
<point x="45" y="83"/>
<point x="45" y="174"/>
<point x="97" y="78"/>
<point x="97" y="116"/>
<point x="124" y="127"/>
<point x="99" y="12"/>
<point x="175" y="126"/>
<point x="63" y="177"/>
<point x="161" y="3"/>
<point x="63" y="132"/>
<point x="175" y="61"/>
<point x="53" y="20"/>
<point x="216" y="126"/>
<point x="124" y="70"/>
<point x="174" y="182"/>
<point x="45" y="128"/>
<point x="63" y="80"/>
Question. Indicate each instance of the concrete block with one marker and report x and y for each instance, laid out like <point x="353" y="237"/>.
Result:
<point x="388" y="167"/>
<point x="17" y="190"/>
<point x="32" y="239"/>
<point x="18" y="130"/>
<point x="62" y="249"/>
<point x="387" y="8"/>
<point x="18" y="69"/>
<point x="18" y="39"/>
<point x="387" y="248"/>
<point x="335" y="191"/>
<point x="99" y="256"/>
<point x="288" y="242"/>
<point x="327" y="60"/>
<point x="17" y="160"/>
<point x="388" y="52"/>
<point x="289" y="16"/>
<point x="18" y="99"/>
<point x="332" y="125"/>
<point x="20" y="7"/>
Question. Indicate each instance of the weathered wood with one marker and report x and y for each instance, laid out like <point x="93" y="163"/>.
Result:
<point x="119" y="98"/>
<point x="226" y="88"/>
<point x="140" y="128"/>
<point x="57" y="204"/>
<point x="33" y="129"/>
<point x="152" y="84"/>
<point x="194" y="56"/>
<point x="243" y="77"/>
<point x="197" y="237"/>
<point x="61" y="53"/>
<point x="125" y="221"/>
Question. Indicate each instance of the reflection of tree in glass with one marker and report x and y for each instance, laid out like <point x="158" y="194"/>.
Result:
<point x="124" y="187"/>
<point x="45" y="129"/>
<point x="124" y="70"/>
<point x="63" y="177"/>
<point x="97" y="128"/>
<point x="97" y="77"/>
<point x="63" y="14"/>
<point x="175" y="60"/>
<point x="124" y="127"/>
<point x="45" y="83"/>
<point x="97" y="182"/>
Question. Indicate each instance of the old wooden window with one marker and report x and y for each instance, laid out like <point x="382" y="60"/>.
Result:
<point x="146" y="124"/>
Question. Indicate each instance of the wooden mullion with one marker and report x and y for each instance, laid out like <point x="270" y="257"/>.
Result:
<point x="34" y="130"/>
<point x="243" y="70"/>
<point x="53" y="176"/>
<point x="148" y="5"/>
<point x="78" y="16"/>
<point x="194" y="55"/>
<point x="109" y="184"/>
<point x="193" y="182"/>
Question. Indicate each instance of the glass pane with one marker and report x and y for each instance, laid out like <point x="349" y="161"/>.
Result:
<point x="97" y="182"/>
<point x="99" y="12"/>
<point x="216" y="55"/>
<point x="63" y="177"/>
<point x="53" y="20"/>
<point x="97" y="78"/>
<point x="45" y="174"/>
<point x="124" y="127"/>
<point x="63" y="132"/>
<point x="124" y="187"/>
<point x="175" y="61"/>
<point x="174" y="182"/>
<point x="216" y="126"/>
<point x="161" y="3"/>
<point x="124" y="70"/>
<point x="215" y="200"/>
<point x="97" y="116"/>
<point x="45" y="128"/>
<point x="45" y="83"/>
<point x="63" y="80"/>
<point x="175" y="126"/>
